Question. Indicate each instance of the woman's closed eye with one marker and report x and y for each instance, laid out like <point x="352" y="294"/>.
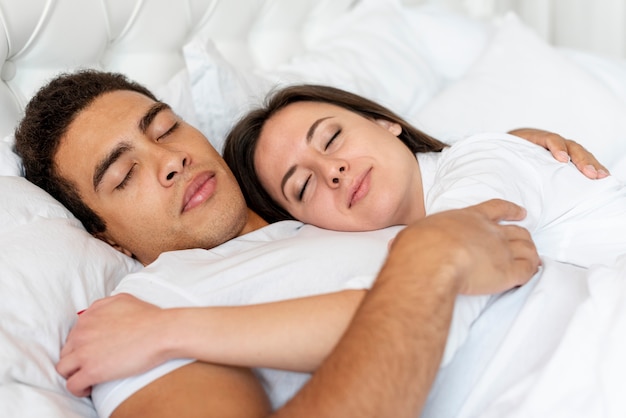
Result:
<point x="332" y="139"/>
<point x="303" y="189"/>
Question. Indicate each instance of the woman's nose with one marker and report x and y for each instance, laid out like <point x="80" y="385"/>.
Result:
<point x="336" y="174"/>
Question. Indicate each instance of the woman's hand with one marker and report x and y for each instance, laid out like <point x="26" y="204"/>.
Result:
<point x="563" y="150"/>
<point x="116" y="337"/>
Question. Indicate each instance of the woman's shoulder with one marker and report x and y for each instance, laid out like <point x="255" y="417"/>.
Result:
<point x="496" y="144"/>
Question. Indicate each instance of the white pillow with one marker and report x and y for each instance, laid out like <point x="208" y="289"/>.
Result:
<point x="50" y="268"/>
<point x="521" y="81"/>
<point x="176" y="92"/>
<point x="221" y="94"/>
<point x="371" y="50"/>
<point x="10" y="162"/>
<point x="451" y="42"/>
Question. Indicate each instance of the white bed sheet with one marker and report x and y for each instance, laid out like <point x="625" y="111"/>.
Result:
<point x="563" y="356"/>
<point x="552" y="348"/>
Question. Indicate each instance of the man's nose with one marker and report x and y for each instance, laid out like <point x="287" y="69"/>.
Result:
<point x="172" y="164"/>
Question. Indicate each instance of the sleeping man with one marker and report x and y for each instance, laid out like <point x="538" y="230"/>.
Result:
<point x="144" y="181"/>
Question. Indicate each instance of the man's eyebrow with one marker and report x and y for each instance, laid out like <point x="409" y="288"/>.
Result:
<point x="292" y="169"/>
<point x="123" y="147"/>
<point x="108" y="161"/>
<point x="149" y="116"/>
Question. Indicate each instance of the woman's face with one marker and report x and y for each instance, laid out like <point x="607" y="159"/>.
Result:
<point x="335" y="169"/>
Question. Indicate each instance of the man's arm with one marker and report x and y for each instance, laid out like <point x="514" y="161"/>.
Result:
<point x="199" y="390"/>
<point x="385" y="363"/>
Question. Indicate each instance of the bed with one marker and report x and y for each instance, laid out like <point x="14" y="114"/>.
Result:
<point x="451" y="67"/>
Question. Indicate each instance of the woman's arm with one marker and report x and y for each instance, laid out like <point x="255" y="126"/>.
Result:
<point x="563" y="150"/>
<point x="294" y="334"/>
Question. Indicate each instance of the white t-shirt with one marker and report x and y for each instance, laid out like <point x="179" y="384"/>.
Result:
<point x="284" y="260"/>
<point x="572" y="218"/>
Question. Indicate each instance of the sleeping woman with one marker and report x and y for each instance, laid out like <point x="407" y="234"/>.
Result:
<point x="336" y="160"/>
<point x="330" y="158"/>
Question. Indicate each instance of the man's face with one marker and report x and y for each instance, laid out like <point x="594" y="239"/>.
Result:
<point x="156" y="181"/>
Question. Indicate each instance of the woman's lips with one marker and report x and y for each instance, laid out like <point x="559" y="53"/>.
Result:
<point x="199" y="190"/>
<point x="360" y="188"/>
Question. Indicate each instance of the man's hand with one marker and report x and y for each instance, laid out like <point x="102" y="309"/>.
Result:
<point x="563" y="150"/>
<point x="108" y="342"/>
<point x="387" y="359"/>
<point x="482" y="254"/>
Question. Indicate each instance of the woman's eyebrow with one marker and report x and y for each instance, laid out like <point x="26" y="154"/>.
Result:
<point x="314" y="125"/>
<point x="286" y="177"/>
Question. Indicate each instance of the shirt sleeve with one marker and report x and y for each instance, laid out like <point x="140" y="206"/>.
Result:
<point x="489" y="166"/>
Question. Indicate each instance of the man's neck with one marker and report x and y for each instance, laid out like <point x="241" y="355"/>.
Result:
<point x="253" y="223"/>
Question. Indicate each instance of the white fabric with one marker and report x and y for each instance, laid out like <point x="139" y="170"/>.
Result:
<point x="51" y="268"/>
<point x="254" y="269"/>
<point x="571" y="218"/>
<point x="583" y="376"/>
<point x="281" y="261"/>
<point x="527" y="351"/>
<point x="563" y="355"/>
<point x="389" y="65"/>
<point x="451" y="42"/>
<point x="44" y="250"/>
<point x="455" y="381"/>
<point x="10" y="162"/>
<point x="520" y="81"/>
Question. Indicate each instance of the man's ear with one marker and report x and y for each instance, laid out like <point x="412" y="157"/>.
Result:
<point x="393" y="127"/>
<point x="102" y="236"/>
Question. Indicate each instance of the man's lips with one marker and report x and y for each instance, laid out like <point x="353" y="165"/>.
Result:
<point x="199" y="190"/>
<point x="359" y="188"/>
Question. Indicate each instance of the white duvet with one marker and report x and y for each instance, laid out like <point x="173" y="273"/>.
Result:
<point x="561" y="356"/>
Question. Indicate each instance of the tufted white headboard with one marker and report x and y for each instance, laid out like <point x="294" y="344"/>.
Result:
<point x="43" y="37"/>
<point x="143" y="38"/>
<point x="597" y="26"/>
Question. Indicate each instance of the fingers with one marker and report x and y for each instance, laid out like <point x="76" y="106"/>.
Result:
<point x="557" y="146"/>
<point x="501" y="210"/>
<point x="526" y="259"/>
<point x="565" y="150"/>
<point x="77" y="387"/>
<point x="585" y="161"/>
<point x="76" y="381"/>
